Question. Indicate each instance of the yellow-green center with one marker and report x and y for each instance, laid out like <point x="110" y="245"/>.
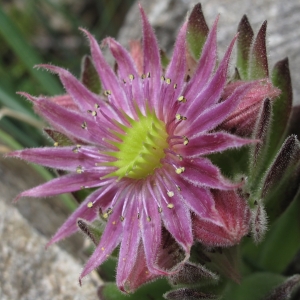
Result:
<point x="141" y="147"/>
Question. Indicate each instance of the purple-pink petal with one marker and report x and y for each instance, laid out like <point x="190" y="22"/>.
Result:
<point x="176" y="217"/>
<point x="201" y="172"/>
<point x="84" y="98"/>
<point x="205" y="66"/>
<point x="98" y="198"/>
<point x="212" y="142"/>
<point x="110" y="239"/>
<point x="151" y="230"/>
<point x="152" y="64"/>
<point x="130" y="243"/>
<point x="65" y="184"/>
<point x="215" y="115"/>
<point x="61" y="158"/>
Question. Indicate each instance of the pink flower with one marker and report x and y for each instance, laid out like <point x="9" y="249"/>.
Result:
<point x="143" y="146"/>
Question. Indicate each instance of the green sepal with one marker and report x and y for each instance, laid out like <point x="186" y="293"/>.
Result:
<point x="253" y="287"/>
<point x="189" y="294"/>
<point x="244" y="42"/>
<point x="154" y="290"/>
<point x="282" y="241"/>
<point x="285" y="290"/>
<point x="258" y="57"/>
<point x="58" y="138"/>
<point x="89" y="76"/>
<point x="92" y="231"/>
<point x="294" y="127"/>
<point x="281" y="181"/>
<point x="107" y="270"/>
<point x="164" y="59"/>
<point x="282" y="105"/>
<point x="197" y="31"/>
<point x="259" y="151"/>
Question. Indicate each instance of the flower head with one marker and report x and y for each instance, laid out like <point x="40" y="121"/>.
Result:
<point x="143" y="146"/>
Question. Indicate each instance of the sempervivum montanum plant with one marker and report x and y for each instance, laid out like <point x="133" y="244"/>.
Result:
<point x="143" y="146"/>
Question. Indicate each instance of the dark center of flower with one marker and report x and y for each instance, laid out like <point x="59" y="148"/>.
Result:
<point x="141" y="147"/>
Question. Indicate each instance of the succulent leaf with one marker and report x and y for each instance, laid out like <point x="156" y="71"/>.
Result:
<point x="197" y="31"/>
<point x="259" y="60"/>
<point x="244" y="42"/>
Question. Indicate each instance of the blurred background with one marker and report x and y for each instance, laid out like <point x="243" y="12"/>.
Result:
<point x="44" y="31"/>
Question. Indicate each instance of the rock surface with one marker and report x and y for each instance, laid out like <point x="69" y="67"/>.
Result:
<point x="283" y="25"/>
<point x="27" y="270"/>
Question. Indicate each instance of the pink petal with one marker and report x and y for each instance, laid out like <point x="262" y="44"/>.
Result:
<point x="109" y="241"/>
<point x="215" y="115"/>
<point x="152" y="63"/>
<point x="84" y="98"/>
<point x="201" y="172"/>
<point x="126" y="67"/>
<point x="199" y="200"/>
<point x="177" y="219"/>
<point x="234" y="216"/>
<point x="151" y="231"/>
<point x="65" y="184"/>
<point x="108" y="78"/>
<point x="210" y="143"/>
<point x="70" y="122"/>
<point x="129" y="245"/>
<point x="65" y="101"/>
<point x="139" y="273"/>
<point x="205" y="66"/>
<point x="212" y="91"/>
<point x="176" y="72"/>
<point x="99" y="198"/>
<point x="62" y="158"/>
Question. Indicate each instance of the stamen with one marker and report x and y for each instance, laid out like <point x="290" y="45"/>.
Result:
<point x="131" y="77"/>
<point x="122" y="218"/>
<point x="185" y="140"/>
<point x="90" y="204"/>
<point x="84" y="125"/>
<point x="148" y="75"/>
<point x="170" y="194"/>
<point x="159" y="209"/>
<point x="107" y="92"/>
<point x="148" y="218"/>
<point x="79" y="170"/>
<point x="168" y="81"/>
<point x="124" y="81"/>
<point x="143" y="76"/>
<point x="182" y="99"/>
<point x="55" y="144"/>
<point x="179" y="117"/>
<point x="163" y="78"/>
<point x="179" y="170"/>
<point x="170" y="205"/>
<point x="175" y="86"/>
<point x="96" y="106"/>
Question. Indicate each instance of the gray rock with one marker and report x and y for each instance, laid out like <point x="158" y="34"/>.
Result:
<point x="283" y="25"/>
<point x="29" y="272"/>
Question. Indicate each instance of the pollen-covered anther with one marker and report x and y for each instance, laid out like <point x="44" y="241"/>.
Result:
<point x="79" y="170"/>
<point x="90" y="204"/>
<point x="179" y="157"/>
<point x="55" y="144"/>
<point x="182" y="99"/>
<point x="107" y="92"/>
<point x="168" y="80"/>
<point x="163" y="78"/>
<point x="170" y="205"/>
<point x="175" y="86"/>
<point x="84" y="125"/>
<point x="122" y="218"/>
<point x="170" y="193"/>
<point x="180" y="170"/>
<point x="148" y="218"/>
<point x="159" y="209"/>
<point x="96" y="106"/>
<point x="143" y="76"/>
<point x="179" y="117"/>
<point x="185" y="140"/>
<point x="131" y="77"/>
<point x="148" y="75"/>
